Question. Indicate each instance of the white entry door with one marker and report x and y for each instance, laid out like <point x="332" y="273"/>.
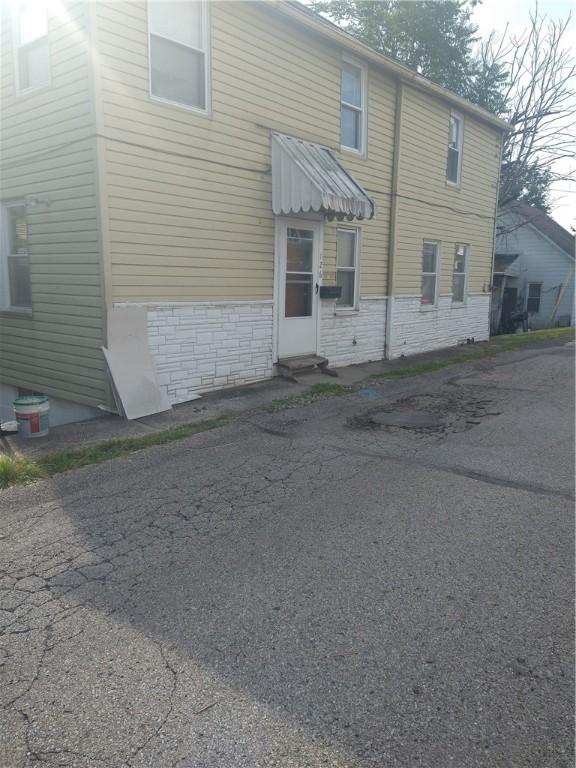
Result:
<point x="299" y="257"/>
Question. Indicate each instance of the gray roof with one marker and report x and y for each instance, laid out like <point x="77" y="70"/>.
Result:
<point x="308" y="177"/>
<point x="544" y="223"/>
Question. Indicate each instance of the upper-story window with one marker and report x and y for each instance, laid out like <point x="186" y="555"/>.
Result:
<point x="455" y="136"/>
<point x="353" y="108"/>
<point x="179" y="52"/>
<point x="15" y="262"/>
<point x="31" y="41"/>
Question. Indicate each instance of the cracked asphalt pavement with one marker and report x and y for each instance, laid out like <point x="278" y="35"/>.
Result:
<point x="381" y="579"/>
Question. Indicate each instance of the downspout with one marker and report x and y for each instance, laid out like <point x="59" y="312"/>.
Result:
<point x="389" y="331"/>
<point x="490" y="286"/>
<point x="100" y="181"/>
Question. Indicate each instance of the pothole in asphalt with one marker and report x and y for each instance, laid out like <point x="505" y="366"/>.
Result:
<point x="409" y="419"/>
<point x="425" y="414"/>
<point x="276" y="425"/>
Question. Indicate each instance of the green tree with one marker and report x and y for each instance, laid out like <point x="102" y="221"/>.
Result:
<point x="531" y="184"/>
<point x="434" y="38"/>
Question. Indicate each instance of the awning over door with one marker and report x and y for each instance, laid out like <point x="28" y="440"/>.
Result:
<point x="308" y="177"/>
<point x="505" y="264"/>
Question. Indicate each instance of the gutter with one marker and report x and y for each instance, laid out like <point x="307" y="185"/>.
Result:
<point x="494" y="236"/>
<point x="389" y="335"/>
<point x="309" y="19"/>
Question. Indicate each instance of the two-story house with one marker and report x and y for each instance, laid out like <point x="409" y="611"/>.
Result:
<point x="249" y="180"/>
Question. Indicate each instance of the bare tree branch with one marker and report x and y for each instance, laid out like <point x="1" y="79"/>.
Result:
<point x="539" y="98"/>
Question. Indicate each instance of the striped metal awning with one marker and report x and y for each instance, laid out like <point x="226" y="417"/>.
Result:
<point x="308" y="177"/>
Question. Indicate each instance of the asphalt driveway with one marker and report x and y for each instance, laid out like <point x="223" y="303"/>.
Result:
<point x="381" y="579"/>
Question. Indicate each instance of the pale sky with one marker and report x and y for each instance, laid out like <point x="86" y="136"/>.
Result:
<point x="495" y="14"/>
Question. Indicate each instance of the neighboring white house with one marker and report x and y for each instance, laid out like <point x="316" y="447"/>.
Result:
<point x="533" y="271"/>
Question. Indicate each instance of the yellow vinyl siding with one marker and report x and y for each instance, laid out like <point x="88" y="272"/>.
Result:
<point x="48" y="160"/>
<point x="171" y="205"/>
<point x="189" y="196"/>
<point x="430" y="209"/>
<point x="60" y="111"/>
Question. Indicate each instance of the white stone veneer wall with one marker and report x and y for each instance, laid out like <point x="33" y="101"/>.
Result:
<point x="200" y="346"/>
<point x="340" y="329"/>
<point x="415" y="329"/>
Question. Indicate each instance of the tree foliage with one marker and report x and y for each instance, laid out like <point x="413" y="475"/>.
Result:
<point x="526" y="79"/>
<point x="434" y="38"/>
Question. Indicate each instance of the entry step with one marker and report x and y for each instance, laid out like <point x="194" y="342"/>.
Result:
<point x="290" y="367"/>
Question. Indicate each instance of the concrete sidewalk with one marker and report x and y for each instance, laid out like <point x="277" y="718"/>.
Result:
<point x="232" y="402"/>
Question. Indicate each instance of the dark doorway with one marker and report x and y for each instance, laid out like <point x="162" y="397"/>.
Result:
<point x="509" y="301"/>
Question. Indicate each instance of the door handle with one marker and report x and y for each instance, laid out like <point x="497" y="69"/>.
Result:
<point x="317" y="288"/>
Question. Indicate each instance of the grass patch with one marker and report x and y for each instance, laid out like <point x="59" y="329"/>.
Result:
<point x="432" y="365"/>
<point x="327" y="388"/>
<point x="19" y="470"/>
<point x="420" y="368"/>
<point x="546" y="334"/>
<point x="505" y="343"/>
<point x="316" y="391"/>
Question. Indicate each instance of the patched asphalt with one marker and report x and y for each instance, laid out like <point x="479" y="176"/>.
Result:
<point x="381" y="579"/>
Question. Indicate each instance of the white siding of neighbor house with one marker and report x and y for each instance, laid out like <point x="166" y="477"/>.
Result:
<point x="539" y="261"/>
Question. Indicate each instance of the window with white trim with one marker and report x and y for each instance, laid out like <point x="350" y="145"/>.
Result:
<point x="31" y="44"/>
<point x="455" y="138"/>
<point x="352" y="112"/>
<point x="429" y="273"/>
<point x="459" y="274"/>
<point x="15" y="263"/>
<point x="347" y="241"/>
<point x="178" y="50"/>
<point x="534" y="296"/>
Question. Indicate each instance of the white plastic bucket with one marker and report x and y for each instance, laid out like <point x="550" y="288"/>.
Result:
<point x="32" y="415"/>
